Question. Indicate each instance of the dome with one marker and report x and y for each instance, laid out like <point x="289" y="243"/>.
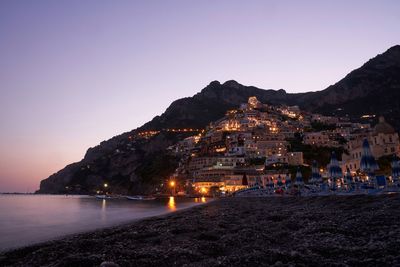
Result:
<point x="383" y="127"/>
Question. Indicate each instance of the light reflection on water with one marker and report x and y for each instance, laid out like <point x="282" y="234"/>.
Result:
<point x="171" y="203"/>
<point x="103" y="210"/>
<point x="202" y="200"/>
<point x="28" y="219"/>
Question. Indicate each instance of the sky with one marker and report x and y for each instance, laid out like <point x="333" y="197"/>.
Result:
<point x="74" y="73"/>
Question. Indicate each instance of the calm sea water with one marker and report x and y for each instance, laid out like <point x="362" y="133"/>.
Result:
<point x="29" y="219"/>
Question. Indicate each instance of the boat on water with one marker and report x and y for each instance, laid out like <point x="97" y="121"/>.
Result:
<point x="140" y="198"/>
<point x="104" y="197"/>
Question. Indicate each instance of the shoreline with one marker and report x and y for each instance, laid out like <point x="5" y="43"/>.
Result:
<point x="312" y="231"/>
<point x="100" y="228"/>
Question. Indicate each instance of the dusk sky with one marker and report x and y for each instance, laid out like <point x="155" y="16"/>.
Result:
<point x="74" y="73"/>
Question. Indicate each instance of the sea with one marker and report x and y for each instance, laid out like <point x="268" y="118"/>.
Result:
<point x="30" y="219"/>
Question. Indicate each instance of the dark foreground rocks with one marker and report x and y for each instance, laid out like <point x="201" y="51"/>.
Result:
<point x="317" y="231"/>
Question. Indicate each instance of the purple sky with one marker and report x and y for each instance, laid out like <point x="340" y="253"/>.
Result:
<point x="74" y="73"/>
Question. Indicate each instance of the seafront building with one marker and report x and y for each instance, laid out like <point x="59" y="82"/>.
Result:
<point x="250" y="146"/>
<point x="383" y="141"/>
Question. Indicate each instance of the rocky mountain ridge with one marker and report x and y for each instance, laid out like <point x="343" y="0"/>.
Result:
<point x="137" y="166"/>
<point x="374" y="88"/>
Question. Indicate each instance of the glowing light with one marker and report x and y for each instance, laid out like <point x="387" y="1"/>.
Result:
<point x="105" y="185"/>
<point x="172" y="183"/>
<point x="203" y="199"/>
<point x="203" y="190"/>
<point x="171" y="203"/>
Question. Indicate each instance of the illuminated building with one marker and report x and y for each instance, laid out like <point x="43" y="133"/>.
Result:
<point x="253" y="102"/>
<point x="383" y="140"/>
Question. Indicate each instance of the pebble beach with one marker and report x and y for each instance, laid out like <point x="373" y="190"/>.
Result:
<point x="269" y="231"/>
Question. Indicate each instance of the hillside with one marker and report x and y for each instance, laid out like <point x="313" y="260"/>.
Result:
<point x="374" y="88"/>
<point x="136" y="166"/>
<point x="131" y="165"/>
<point x="211" y="104"/>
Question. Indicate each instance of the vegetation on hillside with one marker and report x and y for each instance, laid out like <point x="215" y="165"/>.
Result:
<point x="321" y="154"/>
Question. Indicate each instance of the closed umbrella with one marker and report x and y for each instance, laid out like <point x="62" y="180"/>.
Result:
<point x="258" y="181"/>
<point x="299" y="178"/>
<point x="367" y="163"/>
<point x="315" y="175"/>
<point x="270" y="182"/>
<point x="395" y="168"/>
<point x="288" y="181"/>
<point x="279" y="183"/>
<point x="334" y="170"/>
<point x="347" y="177"/>
<point x="244" y="180"/>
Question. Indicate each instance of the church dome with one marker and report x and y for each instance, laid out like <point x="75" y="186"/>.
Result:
<point x="383" y="127"/>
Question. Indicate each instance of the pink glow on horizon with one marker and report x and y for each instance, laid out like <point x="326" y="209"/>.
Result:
<point x="75" y="73"/>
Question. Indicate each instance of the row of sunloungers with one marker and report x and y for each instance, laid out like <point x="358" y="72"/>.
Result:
<point x="356" y="188"/>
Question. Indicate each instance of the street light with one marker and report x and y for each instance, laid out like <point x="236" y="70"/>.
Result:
<point x="105" y="188"/>
<point x="172" y="184"/>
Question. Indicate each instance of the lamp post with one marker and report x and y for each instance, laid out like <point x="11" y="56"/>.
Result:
<point x="172" y="185"/>
<point x="105" y="185"/>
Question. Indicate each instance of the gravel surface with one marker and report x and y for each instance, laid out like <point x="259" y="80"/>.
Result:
<point x="289" y="231"/>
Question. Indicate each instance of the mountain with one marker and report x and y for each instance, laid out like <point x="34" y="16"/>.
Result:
<point x="131" y="165"/>
<point x="373" y="88"/>
<point x="211" y="104"/>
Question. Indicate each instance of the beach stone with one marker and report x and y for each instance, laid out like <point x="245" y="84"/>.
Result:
<point x="282" y="232"/>
<point x="108" y="264"/>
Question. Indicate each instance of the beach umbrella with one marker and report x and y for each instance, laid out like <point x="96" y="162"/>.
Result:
<point x="244" y="180"/>
<point x="367" y="163"/>
<point x="334" y="170"/>
<point x="315" y="175"/>
<point x="270" y="182"/>
<point x="299" y="177"/>
<point x="280" y="183"/>
<point x="395" y="168"/>
<point x="347" y="177"/>
<point x="288" y="181"/>
<point x="258" y="181"/>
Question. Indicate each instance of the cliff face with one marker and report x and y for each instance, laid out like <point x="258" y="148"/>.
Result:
<point x="137" y="166"/>
<point x="119" y="163"/>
